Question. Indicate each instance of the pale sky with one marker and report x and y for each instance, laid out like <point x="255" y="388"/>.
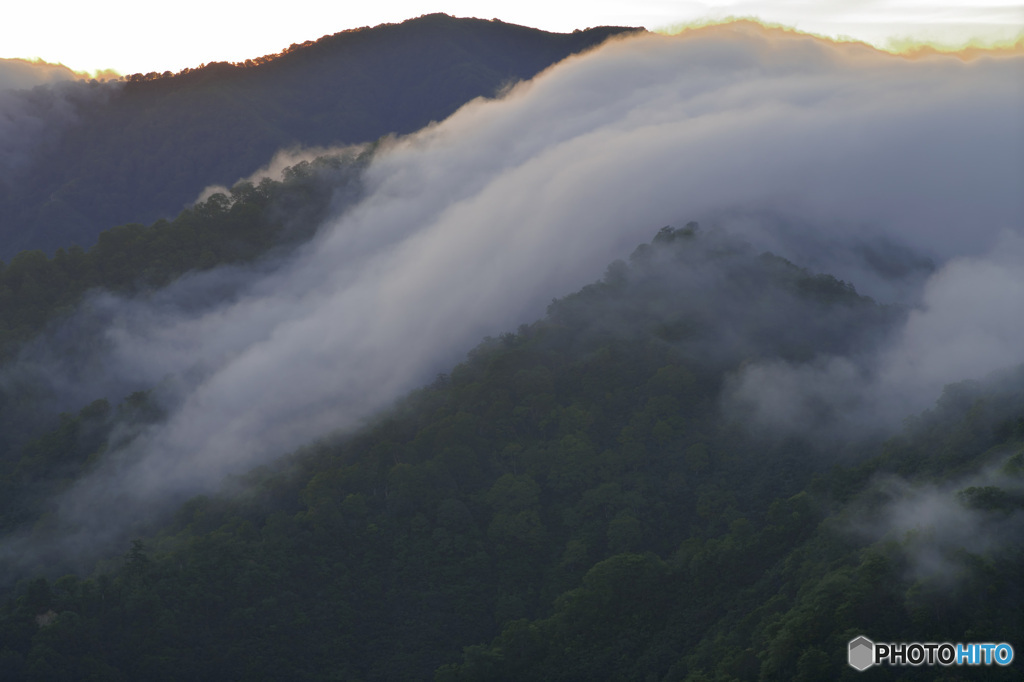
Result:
<point x="129" y="36"/>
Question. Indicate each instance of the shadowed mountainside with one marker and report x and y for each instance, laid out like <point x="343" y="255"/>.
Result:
<point x="143" y="149"/>
<point x="568" y="503"/>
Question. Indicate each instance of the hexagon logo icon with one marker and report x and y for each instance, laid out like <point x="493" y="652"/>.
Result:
<point x="862" y="653"/>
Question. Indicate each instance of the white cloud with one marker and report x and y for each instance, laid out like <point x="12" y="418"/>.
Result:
<point x="470" y="227"/>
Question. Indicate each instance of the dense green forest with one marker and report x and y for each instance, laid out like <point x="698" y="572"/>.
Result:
<point x="697" y="468"/>
<point x="570" y="502"/>
<point x="232" y="228"/>
<point x="143" y="149"/>
<point x="40" y="293"/>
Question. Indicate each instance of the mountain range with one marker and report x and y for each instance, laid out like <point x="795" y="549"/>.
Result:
<point x="459" y="350"/>
<point x="95" y="155"/>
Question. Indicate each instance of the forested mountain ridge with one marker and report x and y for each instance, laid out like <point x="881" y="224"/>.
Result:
<point x="574" y="491"/>
<point x="141" y="150"/>
<point x="700" y="467"/>
<point x="226" y="228"/>
<point x="249" y="223"/>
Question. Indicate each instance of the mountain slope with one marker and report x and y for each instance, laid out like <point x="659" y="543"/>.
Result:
<point x="590" y="437"/>
<point x="142" y="150"/>
<point x="579" y="491"/>
<point x="678" y="473"/>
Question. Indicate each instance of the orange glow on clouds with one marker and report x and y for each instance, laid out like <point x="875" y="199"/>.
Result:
<point x="971" y="49"/>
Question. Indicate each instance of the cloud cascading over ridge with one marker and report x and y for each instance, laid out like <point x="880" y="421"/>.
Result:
<point x="22" y="74"/>
<point x="37" y="102"/>
<point x="472" y="225"/>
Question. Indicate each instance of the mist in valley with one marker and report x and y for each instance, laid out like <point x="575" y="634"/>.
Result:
<point x="900" y="176"/>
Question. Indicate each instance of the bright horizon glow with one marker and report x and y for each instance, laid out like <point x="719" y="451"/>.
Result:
<point x="132" y="38"/>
